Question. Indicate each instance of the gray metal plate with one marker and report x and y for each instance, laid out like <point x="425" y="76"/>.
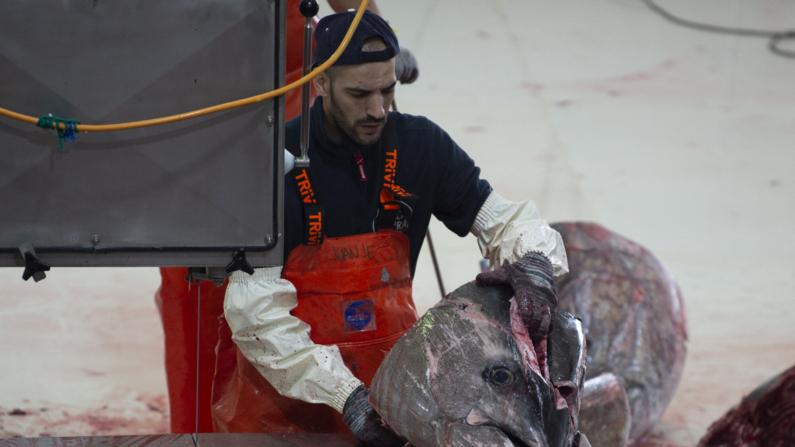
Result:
<point x="180" y="194"/>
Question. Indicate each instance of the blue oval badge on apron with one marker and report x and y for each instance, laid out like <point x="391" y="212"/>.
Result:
<point x="359" y="316"/>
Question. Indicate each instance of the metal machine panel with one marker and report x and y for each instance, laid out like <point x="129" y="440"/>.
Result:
<point x="186" y="193"/>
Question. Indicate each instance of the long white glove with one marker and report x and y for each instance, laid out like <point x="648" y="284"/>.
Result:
<point x="506" y="231"/>
<point x="257" y="308"/>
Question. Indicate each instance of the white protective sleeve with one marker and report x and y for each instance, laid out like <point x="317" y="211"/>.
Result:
<point x="257" y="308"/>
<point x="289" y="161"/>
<point x="506" y="231"/>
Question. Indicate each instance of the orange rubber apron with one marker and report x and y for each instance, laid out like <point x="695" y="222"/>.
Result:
<point x="354" y="292"/>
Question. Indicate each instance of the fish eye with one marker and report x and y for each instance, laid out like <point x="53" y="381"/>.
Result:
<point x="500" y="375"/>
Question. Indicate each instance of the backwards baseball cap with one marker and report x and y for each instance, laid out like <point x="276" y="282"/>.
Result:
<point x="332" y="29"/>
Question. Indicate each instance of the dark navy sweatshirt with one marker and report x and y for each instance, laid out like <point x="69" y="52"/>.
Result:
<point x="430" y="165"/>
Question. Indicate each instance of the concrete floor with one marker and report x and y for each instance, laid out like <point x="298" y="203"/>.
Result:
<point x="596" y="110"/>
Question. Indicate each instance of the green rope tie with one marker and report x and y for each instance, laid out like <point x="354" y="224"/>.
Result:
<point x="53" y="122"/>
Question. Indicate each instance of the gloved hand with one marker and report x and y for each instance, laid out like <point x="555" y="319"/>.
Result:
<point x="366" y="425"/>
<point x="533" y="288"/>
<point x="406" y="68"/>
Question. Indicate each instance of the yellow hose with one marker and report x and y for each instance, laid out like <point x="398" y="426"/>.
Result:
<point x="213" y="109"/>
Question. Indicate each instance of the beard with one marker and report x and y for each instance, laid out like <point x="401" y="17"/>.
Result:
<point x="350" y="128"/>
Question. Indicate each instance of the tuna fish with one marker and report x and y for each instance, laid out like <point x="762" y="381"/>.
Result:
<point x="765" y="418"/>
<point x="604" y="411"/>
<point x="635" y="325"/>
<point x="467" y="374"/>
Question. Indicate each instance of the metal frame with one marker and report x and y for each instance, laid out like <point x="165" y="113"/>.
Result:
<point x="180" y="255"/>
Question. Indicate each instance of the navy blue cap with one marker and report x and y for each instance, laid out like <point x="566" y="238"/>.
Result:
<point x="332" y="29"/>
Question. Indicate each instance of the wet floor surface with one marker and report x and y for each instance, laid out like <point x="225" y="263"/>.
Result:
<point x="595" y="110"/>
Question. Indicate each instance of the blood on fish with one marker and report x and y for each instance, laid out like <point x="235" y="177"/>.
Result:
<point x="765" y="418"/>
<point x="525" y="345"/>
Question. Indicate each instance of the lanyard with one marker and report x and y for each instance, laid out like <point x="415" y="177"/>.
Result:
<point x="396" y="204"/>
<point x="314" y="213"/>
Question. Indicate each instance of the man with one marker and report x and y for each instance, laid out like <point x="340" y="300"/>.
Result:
<point x="354" y="226"/>
<point x="176" y="300"/>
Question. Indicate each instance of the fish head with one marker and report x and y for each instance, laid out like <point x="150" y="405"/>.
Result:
<point x="477" y="377"/>
<point x="474" y="378"/>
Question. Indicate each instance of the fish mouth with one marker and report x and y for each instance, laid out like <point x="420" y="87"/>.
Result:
<point x="513" y="437"/>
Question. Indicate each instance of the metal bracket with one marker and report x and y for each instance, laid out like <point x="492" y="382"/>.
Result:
<point x="216" y="275"/>
<point x="33" y="266"/>
<point x="239" y="262"/>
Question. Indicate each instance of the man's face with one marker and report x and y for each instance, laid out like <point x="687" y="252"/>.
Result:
<point x="357" y="100"/>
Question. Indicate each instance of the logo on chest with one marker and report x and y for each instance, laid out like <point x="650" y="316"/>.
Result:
<point x="393" y="213"/>
<point x="401" y="223"/>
